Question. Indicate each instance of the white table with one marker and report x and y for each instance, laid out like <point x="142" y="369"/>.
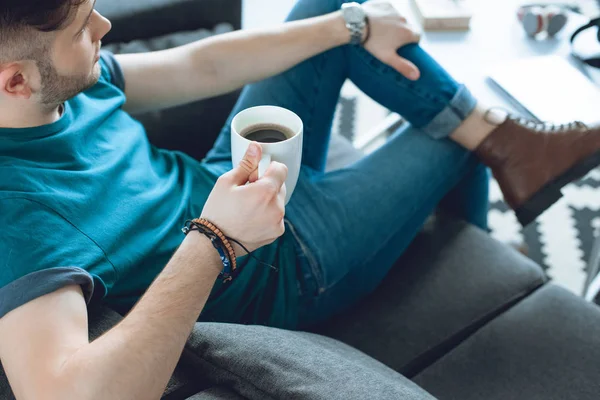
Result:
<point x="496" y="36"/>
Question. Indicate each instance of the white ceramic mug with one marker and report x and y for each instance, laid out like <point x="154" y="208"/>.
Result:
<point x="288" y="152"/>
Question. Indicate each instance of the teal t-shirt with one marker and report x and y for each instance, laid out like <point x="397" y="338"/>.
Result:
<point x="88" y="200"/>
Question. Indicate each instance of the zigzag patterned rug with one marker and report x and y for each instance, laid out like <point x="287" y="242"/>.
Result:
<point x="560" y="240"/>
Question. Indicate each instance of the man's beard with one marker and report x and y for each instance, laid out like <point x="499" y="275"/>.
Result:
<point x="56" y="89"/>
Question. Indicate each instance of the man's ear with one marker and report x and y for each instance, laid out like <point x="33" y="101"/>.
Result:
<point x="14" y="81"/>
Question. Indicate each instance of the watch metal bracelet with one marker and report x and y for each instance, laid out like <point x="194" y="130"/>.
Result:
<point x="356" y="21"/>
<point x="356" y="33"/>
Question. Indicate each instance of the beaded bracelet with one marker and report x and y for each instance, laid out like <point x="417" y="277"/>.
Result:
<point x="224" y="240"/>
<point x="223" y="245"/>
<point x="220" y="242"/>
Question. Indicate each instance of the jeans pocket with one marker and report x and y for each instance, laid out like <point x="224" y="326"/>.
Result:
<point x="309" y="271"/>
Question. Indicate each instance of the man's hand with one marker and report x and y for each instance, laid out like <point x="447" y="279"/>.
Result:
<point x="389" y="32"/>
<point x="251" y="213"/>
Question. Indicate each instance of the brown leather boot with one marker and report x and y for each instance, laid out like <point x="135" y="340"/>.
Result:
<point x="533" y="161"/>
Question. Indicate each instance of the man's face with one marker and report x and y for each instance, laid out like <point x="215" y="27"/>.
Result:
<point x="73" y="63"/>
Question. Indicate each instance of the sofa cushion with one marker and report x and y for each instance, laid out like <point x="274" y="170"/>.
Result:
<point x="5" y="390"/>
<point x="453" y="279"/>
<point x="268" y="363"/>
<point x="546" y="347"/>
<point x="101" y="319"/>
<point x="151" y="18"/>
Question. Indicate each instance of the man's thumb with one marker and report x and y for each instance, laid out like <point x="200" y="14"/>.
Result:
<point x="248" y="166"/>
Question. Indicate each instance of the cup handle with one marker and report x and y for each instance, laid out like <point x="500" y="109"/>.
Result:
<point x="264" y="163"/>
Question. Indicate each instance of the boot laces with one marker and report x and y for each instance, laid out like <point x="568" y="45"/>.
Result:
<point x="548" y="126"/>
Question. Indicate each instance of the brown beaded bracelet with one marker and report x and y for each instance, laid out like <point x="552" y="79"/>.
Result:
<point x="228" y="247"/>
<point x="223" y="245"/>
<point x="222" y="237"/>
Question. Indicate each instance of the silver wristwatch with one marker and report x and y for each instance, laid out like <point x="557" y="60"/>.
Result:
<point x="356" y="21"/>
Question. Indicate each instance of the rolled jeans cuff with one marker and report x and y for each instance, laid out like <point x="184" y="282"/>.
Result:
<point x="450" y="118"/>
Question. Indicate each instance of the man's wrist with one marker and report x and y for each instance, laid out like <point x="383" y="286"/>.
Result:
<point x="341" y="33"/>
<point x="203" y="250"/>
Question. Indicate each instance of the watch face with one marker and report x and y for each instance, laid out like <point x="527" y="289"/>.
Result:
<point x="353" y="13"/>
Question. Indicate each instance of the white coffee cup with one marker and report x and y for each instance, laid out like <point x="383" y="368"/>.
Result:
<point x="288" y="152"/>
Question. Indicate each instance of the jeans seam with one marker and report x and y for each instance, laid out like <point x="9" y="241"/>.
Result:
<point x="310" y="257"/>
<point x="319" y="67"/>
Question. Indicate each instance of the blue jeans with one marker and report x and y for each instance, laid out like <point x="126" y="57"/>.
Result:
<point x="351" y="225"/>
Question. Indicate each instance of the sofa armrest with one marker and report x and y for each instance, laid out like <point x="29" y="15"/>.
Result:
<point x="546" y="347"/>
<point x="150" y="18"/>
<point x="259" y="362"/>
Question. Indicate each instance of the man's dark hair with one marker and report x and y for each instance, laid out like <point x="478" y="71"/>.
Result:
<point x="43" y="15"/>
<point x="21" y="20"/>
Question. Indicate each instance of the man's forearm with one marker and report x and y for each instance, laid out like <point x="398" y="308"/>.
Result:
<point x="223" y="63"/>
<point x="248" y="56"/>
<point x="136" y="358"/>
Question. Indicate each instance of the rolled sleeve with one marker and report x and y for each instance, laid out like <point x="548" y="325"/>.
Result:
<point x="41" y="283"/>
<point x="41" y="252"/>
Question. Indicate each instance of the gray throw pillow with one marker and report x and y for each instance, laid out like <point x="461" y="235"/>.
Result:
<point x="267" y="363"/>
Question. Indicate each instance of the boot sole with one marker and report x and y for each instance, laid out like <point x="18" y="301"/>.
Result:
<point x="551" y="192"/>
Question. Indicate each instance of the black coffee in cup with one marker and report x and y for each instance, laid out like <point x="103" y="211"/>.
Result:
<point x="267" y="133"/>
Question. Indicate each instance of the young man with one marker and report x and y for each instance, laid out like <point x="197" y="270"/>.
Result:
<point x="90" y="211"/>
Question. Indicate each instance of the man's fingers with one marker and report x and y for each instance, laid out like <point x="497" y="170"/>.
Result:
<point x="405" y="67"/>
<point x="253" y="176"/>
<point x="248" y="167"/>
<point x="282" y="194"/>
<point x="414" y="34"/>
<point x="417" y="36"/>
<point x="281" y="227"/>
<point x="281" y="206"/>
<point x="276" y="174"/>
<point x="249" y="163"/>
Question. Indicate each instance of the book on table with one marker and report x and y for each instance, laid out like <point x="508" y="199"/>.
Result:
<point x="439" y="15"/>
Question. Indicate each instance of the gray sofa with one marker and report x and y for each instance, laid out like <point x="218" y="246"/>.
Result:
<point x="460" y="316"/>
